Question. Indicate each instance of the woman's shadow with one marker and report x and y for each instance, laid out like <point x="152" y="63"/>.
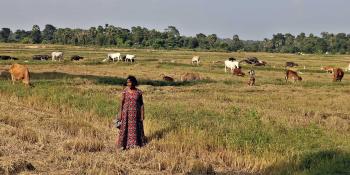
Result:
<point x="159" y="134"/>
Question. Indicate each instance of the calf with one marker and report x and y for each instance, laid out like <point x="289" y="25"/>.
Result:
<point x="251" y="60"/>
<point x="167" y="78"/>
<point x="291" y="64"/>
<point x="76" y="58"/>
<point x="292" y="75"/>
<point x="328" y="69"/>
<point x="58" y="55"/>
<point x="19" y="72"/>
<point x="338" y="74"/>
<point x="260" y="63"/>
<point x="238" y="72"/>
<point x="41" y="57"/>
<point x="5" y="57"/>
<point x="251" y="81"/>
<point x="130" y="58"/>
<point x="196" y="59"/>
<point x="190" y="77"/>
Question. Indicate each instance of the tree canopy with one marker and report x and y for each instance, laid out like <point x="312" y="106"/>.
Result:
<point x="170" y="38"/>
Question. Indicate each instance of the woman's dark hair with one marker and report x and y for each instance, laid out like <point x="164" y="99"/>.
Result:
<point x="132" y="79"/>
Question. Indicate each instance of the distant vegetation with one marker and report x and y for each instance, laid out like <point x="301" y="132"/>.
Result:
<point x="170" y="38"/>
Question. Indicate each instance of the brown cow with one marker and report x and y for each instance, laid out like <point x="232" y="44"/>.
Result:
<point x="190" y="77"/>
<point x="338" y="74"/>
<point x="260" y="63"/>
<point x="167" y="78"/>
<point x="19" y="72"/>
<point x="238" y="72"/>
<point x="292" y="75"/>
<point x="328" y="69"/>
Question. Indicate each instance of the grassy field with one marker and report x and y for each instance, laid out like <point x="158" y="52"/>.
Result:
<point x="64" y="124"/>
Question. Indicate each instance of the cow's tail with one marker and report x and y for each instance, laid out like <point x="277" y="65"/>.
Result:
<point x="27" y="79"/>
<point x="29" y="82"/>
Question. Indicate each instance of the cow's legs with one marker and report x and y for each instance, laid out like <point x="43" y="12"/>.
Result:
<point x="13" y="79"/>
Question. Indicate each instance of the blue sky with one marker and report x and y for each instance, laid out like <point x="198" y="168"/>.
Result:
<point x="250" y="19"/>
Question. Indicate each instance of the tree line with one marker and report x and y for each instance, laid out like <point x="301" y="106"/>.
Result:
<point x="170" y="38"/>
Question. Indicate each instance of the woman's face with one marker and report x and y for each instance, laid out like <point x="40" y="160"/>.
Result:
<point x="129" y="83"/>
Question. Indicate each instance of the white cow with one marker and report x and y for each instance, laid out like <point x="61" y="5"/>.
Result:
<point x="231" y="64"/>
<point x="196" y="59"/>
<point x="348" y="69"/>
<point x="113" y="56"/>
<point x="130" y="58"/>
<point x="58" y="55"/>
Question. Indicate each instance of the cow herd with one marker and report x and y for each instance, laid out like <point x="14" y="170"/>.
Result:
<point x="234" y="65"/>
<point x="58" y="56"/>
<point x="119" y="57"/>
<point x="21" y="72"/>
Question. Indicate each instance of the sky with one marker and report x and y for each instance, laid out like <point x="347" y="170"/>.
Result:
<point x="250" y="19"/>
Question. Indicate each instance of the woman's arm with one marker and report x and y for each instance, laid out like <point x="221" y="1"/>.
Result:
<point x="121" y="107"/>
<point x="142" y="108"/>
<point x="142" y="112"/>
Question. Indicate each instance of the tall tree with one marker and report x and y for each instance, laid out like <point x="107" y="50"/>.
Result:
<point x="173" y="31"/>
<point x="236" y="44"/>
<point x="5" y="34"/>
<point x="36" y="34"/>
<point x="212" y="40"/>
<point x="48" y="33"/>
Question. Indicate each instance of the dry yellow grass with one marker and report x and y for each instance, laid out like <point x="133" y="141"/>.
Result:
<point x="64" y="125"/>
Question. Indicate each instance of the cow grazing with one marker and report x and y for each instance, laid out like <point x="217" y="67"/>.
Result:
<point x="338" y="74"/>
<point x="57" y="55"/>
<point x="260" y="63"/>
<point x="196" y="59"/>
<point x="130" y="58"/>
<point x="41" y="57"/>
<point x="328" y="69"/>
<point x="76" y="58"/>
<point x="114" y="56"/>
<point x="190" y="77"/>
<point x="251" y="60"/>
<point x="251" y="81"/>
<point x="291" y="64"/>
<point x="238" y="72"/>
<point x="231" y="64"/>
<point x="5" y="57"/>
<point x="167" y="78"/>
<point x="19" y="72"/>
<point x="292" y="75"/>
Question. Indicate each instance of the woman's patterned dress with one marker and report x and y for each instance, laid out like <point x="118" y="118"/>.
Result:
<point x="131" y="132"/>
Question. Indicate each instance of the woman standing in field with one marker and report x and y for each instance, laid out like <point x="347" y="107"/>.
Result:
<point x="131" y="116"/>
